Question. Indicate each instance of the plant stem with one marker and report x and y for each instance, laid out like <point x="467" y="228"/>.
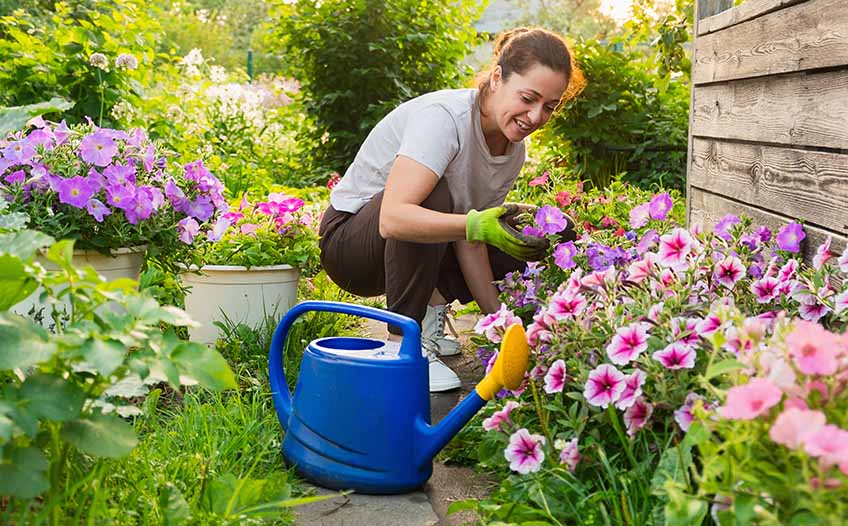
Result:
<point x="543" y="419"/>
<point x="100" y="89"/>
<point x="620" y="432"/>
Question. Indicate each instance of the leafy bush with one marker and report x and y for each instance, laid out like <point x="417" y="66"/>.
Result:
<point x="65" y="393"/>
<point x="628" y="119"/>
<point x="358" y="60"/>
<point x="72" y="51"/>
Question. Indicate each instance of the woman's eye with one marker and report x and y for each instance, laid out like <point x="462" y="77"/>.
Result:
<point x="526" y="99"/>
<point x="550" y="109"/>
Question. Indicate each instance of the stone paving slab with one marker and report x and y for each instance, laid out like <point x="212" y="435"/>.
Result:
<point x="427" y="506"/>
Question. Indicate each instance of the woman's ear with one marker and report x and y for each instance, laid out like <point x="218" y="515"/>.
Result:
<point x="496" y="78"/>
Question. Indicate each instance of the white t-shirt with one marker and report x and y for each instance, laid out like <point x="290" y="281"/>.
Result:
<point x="442" y="131"/>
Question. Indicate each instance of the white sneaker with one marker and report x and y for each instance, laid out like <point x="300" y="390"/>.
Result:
<point x="442" y="378"/>
<point x="433" y="328"/>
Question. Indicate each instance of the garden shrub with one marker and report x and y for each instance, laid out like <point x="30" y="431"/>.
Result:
<point x="94" y="54"/>
<point x="628" y="119"/>
<point x="357" y="60"/>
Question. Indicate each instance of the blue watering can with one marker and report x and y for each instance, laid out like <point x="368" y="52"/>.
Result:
<point x="360" y="415"/>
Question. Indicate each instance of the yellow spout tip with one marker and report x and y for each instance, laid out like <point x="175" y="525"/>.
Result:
<point x="510" y="365"/>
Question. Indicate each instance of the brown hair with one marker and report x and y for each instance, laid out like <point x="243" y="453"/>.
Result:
<point x="519" y="49"/>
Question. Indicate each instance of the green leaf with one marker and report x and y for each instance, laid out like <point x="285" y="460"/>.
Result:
<point x="683" y="509"/>
<point x="804" y="518"/>
<point x="743" y="507"/>
<point x="62" y="253"/>
<point x="25" y="476"/>
<point x="105" y="356"/>
<point x="52" y="398"/>
<point x="723" y="367"/>
<point x="23" y="244"/>
<point x="172" y="505"/>
<point x="697" y="434"/>
<point x="15" y="284"/>
<point x="673" y="466"/>
<point x="175" y="316"/>
<point x="23" y="343"/>
<point x="13" y="118"/>
<point x="205" y="365"/>
<point x="462" y="505"/>
<point x="101" y="435"/>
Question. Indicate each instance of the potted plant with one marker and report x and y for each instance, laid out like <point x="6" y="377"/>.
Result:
<point x="111" y="191"/>
<point x="248" y="265"/>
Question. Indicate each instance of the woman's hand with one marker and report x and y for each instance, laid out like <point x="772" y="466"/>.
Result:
<point x="490" y="226"/>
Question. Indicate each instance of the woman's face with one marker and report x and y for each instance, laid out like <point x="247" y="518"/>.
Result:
<point x="524" y="102"/>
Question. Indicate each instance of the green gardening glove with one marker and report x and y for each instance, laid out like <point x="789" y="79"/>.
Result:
<point x="490" y="226"/>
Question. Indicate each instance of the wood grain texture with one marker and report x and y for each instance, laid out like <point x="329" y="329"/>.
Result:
<point x="707" y="209"/>
<point x="746" y="11"/>
<point x="801" y="37"/>
<point x="794" y="183"/>
<point x="809" y="109"/>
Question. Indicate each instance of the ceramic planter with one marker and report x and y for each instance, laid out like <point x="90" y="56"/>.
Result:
<point x="123" y="263"/>
<point x="238" y="294"/>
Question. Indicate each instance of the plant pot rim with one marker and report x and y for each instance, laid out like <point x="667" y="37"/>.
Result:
<point x="236" y="268"/>
<point x="139" y="249"/>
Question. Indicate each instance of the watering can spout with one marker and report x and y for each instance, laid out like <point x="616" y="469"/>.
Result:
<point x="508" y="372"/>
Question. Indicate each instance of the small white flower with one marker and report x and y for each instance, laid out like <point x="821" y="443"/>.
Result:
<point x="126" y="61"/>
<point x="98" y="60"/>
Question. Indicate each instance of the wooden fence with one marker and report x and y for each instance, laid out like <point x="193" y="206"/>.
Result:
<point x="768" y="130"/>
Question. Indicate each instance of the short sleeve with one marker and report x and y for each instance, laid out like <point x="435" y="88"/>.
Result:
<point x="430" y="138"/>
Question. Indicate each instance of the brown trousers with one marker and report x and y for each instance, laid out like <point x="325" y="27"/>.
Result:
<point x="360" y="261"/>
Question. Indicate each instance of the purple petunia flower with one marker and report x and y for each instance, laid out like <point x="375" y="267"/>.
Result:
<point x="19" y="152"/>
<point x="97" y="210"/>
<point x="218" y="229"/>
<point x="660" y="206"/>
<point x="532" y="231"/>
<point x="16" y="177"/>
<point x="122" y="197"/>
<point x="564" y="255"/>
<point x="141" y="209"/>
<point x="174" y="194"/>
<point x="98" y="148"/>
<point x="119" y="175"/>
<point x="75" y="191"/>
<point x="550" y="219"/>
<point x="790" y="236"/>
<point x="187" y="228"/>
<point x="200" y="208"/>
<point x="724" y="224"/>
<point x="61" y="133"/>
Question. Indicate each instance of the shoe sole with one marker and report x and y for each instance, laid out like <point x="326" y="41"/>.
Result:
<point x="439" y="388"/>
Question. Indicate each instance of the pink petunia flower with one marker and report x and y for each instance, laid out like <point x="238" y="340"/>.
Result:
<point x="683" y="415"/>
<point x="633" y="383"/>
<point x="493" y="325"/>
<point x="555" y="377"/>
<point x="499" y="417"/>
<point x="604" y="386"/>
<point x="538" y="181"/>
<point x="708" y="325"/>
<point x="628" y="343"/>
<point x="660" y="206"/>
<point x="685" y="330"/>
<point x="570" y="455"/>
<point x="729" y="271"/>
<point x="823" y="254"/>
<point x="639" y="216"/>
<point x="675" y="248"/>
<point x="829" y="443"/>
<point x="637" y="415"/>
<point x="641" y="268"/>
<point x="813" y="311"/>
<point x="524" y="452"/>
<point x="746" y="402"/>
<point x="793" y="425"/>
<point x="675" y="356"/>
<point x="566" y="305"/>
<point x="840" y="302"/>
<point x="814" y="349"/>
<point x="766" y="289"/>
<point x="654" y="311"/>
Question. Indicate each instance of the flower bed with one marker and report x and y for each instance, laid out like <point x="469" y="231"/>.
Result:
<point x="631" y="344"/>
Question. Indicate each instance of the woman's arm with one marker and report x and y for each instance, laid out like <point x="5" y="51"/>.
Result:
<point x="474" y="262"/>
<point x="402" y="217"/>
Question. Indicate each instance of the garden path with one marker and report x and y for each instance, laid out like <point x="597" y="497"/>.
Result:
<point x="427" y="506"/>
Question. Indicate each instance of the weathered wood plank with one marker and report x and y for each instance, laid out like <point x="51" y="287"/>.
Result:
<point x="809" y="109"/>
<point x="707" y="8"/>
<point x="805" y="36"/>
<point x="746" y="11"/>
<point x="707" y="209"/>
<point x="794" y="183"/>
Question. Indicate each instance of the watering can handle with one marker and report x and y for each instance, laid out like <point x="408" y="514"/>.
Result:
<point x="410" y="347"/>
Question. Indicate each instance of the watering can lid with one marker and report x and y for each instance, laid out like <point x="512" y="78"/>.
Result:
<point x="358" y="348"/>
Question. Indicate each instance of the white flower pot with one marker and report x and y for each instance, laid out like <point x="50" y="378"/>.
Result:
<point x="241" y="295"/>
<point x="123" y="263"/>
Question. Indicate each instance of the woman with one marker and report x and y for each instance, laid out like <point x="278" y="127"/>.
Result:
<point x="418" y="216"/>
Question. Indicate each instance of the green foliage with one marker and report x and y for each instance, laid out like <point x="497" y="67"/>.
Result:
<point x="572" y="18"/>
<point x="358" y="60"/>
<point x="47" y="53"/>
<point x="63" y="391"/>
<point x="15" y="118"/>
<point x="626" y="120"/>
